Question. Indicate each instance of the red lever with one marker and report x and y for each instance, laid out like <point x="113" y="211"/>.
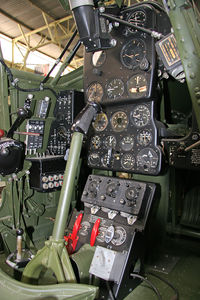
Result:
<point x="2" y="133"/>
<point x="72" y="238"/>
<point x="95" y="232"/>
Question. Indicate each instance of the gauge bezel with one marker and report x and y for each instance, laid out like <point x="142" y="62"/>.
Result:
<point x="122" y="161"/>
<point x="96" y="98"/>
<point x="146" y="122"/>
<point x="137" y="94"/>
<point x="149" y="141"/>
<point x="117" y="128"/>
<point x="132" y="30"/>
<point x="131" y="144"/>
<point x="112" y="95"/>
<point x="101" y="63"/>
<point x="130" y="65"/>
<point x="103" y="115"/>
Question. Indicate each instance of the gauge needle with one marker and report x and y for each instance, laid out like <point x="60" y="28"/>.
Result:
<point x="131" y="56"/>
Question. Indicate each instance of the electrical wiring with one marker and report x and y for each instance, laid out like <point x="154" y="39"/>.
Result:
<point x="14" y="82"/>
<point x="167" y="282"/>
<point x="149" y="283"/>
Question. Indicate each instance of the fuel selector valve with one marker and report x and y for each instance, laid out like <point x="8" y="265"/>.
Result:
<point x="72" y="238"/>
<point x="95" y="232"/>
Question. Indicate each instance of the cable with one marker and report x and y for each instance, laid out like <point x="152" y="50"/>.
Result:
<point x="14" y="82"/>
<point x="149" y="283"/>
<point x="167" y="282"/>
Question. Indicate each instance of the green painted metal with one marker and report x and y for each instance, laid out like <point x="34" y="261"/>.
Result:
<point x="13" y="289"/>
<point x="54" y="255"/>
<point x="187" y="31"/>
<point x="83" y="259"/>
<point x="68" y="184"/>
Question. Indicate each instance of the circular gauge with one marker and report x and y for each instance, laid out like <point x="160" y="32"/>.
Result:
<point x="96" y="142"/>
<point x="147" y="159"/>
<point x="127" y="161"/>
<point x="100" y="122"/>
<point x="110" y="142"/>
<point x="93" y="159"/>
<point x="107" y="160"/>
<point x="115" y="88"/>
<point x="98" y="58"/>
<point x="137" y="18"/>
<point x="112" y="189"/>
<point x="127" y="143"/>
<point x="119" y="121"/>
<point x="132" y="53"/>
<point x="144" y="137"/>
<point x="119" y="236"/>
<point x="101" y="235"/>
<point x="84" y="229"/>
<point x="137" y="86"/>
<point x="95" y="92"/>
<point x="131" y="194"/>
<point x="140" y="116"/>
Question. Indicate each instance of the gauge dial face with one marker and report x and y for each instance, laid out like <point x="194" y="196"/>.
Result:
<point x="98" y="58"/>
<point x="95" y="92"/>
<point x="144" y="137"/>
<point x="137" y="86"/>
<point x="94" y="159"/>
<point x="127" y="143"/>
<point x="107" y="160"/>
<point x="132" y="53"/>
<point x="127" y="161"/>
<point x="96" y="142"/>
<point x="100" y="122"/>
<point x="119" y="121"/>
<point x="147" y="159"/>
<point x="140" y="116"/>
<point x="110" y="142"/>
<point x="137" y="18"/>
<point x="119" y="236"/>
<point x="115" y="88"/>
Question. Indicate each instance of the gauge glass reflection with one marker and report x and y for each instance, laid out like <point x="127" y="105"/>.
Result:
<point x="137" y="86"/>
<point x="140" y="116"/>
<point x="100" y="122"/>
<point x="98" y="58"/>
<point x="127" y="161"/>
<point x="115" y="88"/>
<point x="127" y="143"/>
<point x="132" y="53"/>
<point x="110" y="142"/>
<point x="96" y="142"/>
<point x="137" y="18"/>
<point x="144" y="137"/>
<point x="95" y="92"/>
<point x="119" y="121"/>
<point x="93" y="159"/>
<point x="147" y="159"/>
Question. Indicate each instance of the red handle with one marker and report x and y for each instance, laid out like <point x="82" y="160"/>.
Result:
<point x="95" y="232"/>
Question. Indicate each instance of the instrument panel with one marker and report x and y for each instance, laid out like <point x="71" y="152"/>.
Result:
<point x="125" y="72"/>
<point x="124" y="138"/>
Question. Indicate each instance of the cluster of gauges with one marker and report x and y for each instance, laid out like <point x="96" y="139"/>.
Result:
<point x="136" y="88"/>
<point x="140" y="116"/>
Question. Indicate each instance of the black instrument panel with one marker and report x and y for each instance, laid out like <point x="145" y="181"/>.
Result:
<point x="124" y="138"/>
<point x="125" y="72"/>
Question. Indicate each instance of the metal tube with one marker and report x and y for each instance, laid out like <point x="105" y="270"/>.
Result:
<point x="68" y="186"/>
<point x="67" y="61"/>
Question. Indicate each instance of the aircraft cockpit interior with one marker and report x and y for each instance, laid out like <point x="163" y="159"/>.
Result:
<point x="100" y="194"/>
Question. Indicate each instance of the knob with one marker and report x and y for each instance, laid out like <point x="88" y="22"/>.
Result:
<point x="2" y="133"/>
